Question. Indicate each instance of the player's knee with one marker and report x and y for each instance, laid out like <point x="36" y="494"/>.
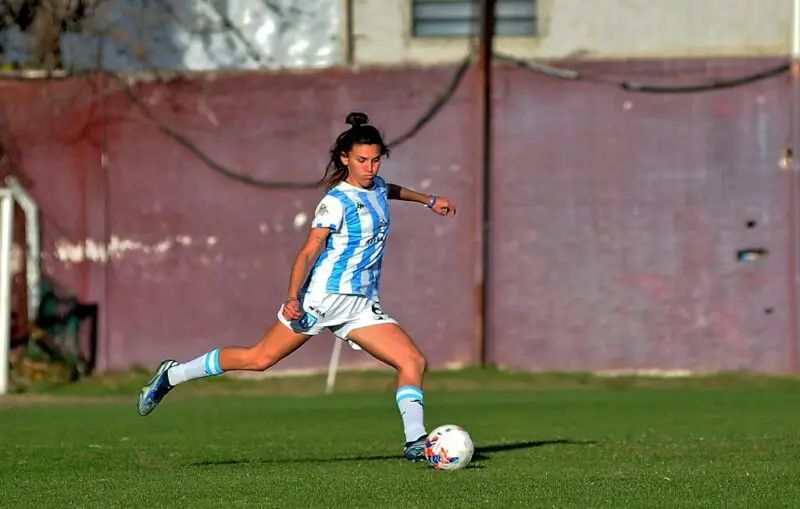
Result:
<point x="414" y="363"/>
<point x="422" y="363"/>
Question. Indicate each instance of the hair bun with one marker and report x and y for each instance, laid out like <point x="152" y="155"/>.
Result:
<point x="356" y="119"/>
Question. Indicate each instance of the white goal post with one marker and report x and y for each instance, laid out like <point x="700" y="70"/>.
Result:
<point x="11" y="195"/>
<point x="6" y="240"/>
<point x="333" y="366"/>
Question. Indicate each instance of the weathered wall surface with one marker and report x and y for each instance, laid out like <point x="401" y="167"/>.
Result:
<point x="182" y="259"/>
<point x="616" y="216"/>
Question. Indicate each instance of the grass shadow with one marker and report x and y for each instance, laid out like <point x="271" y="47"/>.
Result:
<point x="486" y="452"/>
<point x="481" y="454"/>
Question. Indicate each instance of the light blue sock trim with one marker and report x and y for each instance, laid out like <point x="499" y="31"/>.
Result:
<point x="211" y="363"/>
<point x="408" y="392"/>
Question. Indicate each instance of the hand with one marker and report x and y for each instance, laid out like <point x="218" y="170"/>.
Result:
<point x="444" y="207"/>
<point x="292" y="309"/>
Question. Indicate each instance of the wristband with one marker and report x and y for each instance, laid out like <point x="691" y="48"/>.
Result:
<point x="431" y="202"/>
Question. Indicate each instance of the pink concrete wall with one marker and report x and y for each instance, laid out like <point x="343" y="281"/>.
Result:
<point x="198" y="260"/>
<point x="616" y="216"/>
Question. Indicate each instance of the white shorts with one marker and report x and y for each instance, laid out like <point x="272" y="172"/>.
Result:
<point x="339" y="313"/>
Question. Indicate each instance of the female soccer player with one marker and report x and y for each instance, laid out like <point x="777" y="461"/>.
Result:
<point x="344" y="250"/>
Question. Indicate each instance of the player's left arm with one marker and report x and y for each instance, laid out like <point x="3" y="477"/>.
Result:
<point x="438" y="204"/>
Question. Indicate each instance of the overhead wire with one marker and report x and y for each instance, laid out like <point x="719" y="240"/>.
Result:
<point x="436" y="106"/>
<point x="441" y="100"/>
<point x="638" y="87"/>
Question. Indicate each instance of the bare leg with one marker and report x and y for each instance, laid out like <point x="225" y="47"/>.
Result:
<point x="277" y="343"/>
<point x="390" y="344"/>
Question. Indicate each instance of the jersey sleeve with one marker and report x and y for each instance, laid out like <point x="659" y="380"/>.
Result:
<point x="329" y="214"/>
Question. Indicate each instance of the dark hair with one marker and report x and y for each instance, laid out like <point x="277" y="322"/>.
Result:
<point x="360" y="133"/>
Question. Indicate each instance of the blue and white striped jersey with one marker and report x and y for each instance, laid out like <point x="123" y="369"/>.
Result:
<point x="359" y="223"/>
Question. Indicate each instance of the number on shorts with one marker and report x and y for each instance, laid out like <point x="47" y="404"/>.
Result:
<point x="376" y="310"/>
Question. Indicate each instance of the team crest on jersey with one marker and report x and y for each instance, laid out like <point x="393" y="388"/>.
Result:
<point x="381" y="236"/>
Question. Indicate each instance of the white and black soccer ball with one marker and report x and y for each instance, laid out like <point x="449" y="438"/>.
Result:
<point x="449" y="447"/>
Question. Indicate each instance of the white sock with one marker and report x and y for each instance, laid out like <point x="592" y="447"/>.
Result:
<point x="203" y="366"/>
<point x="411" y="404"/>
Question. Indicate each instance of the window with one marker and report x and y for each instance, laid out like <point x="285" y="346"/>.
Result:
<point x="459" y="18"/>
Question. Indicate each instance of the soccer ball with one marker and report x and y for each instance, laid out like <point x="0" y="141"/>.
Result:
<point x="449" y="447"/>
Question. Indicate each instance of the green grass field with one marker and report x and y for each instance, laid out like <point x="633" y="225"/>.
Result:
<point x="542" y="441"/>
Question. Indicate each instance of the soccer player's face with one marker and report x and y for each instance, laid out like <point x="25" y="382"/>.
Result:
<point x="363" y="163"/>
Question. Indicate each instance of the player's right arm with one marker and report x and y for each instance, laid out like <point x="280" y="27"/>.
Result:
<point x="327" y="219"/>
<point x="313" y="247"/>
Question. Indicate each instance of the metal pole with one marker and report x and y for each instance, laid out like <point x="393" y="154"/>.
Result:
<point x="485" y="49"/>
<point x="795" y="31"/>
<point x="333" y="366"/>
<point x="789" y="163"/>
<point x="6" y="238"/>
<point x="348" y="25"/>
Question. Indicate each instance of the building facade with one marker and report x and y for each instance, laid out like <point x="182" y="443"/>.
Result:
<point x="388" y="32"/>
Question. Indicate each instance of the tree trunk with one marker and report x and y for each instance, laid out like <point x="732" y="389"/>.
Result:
<point x="46" y="28"/>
